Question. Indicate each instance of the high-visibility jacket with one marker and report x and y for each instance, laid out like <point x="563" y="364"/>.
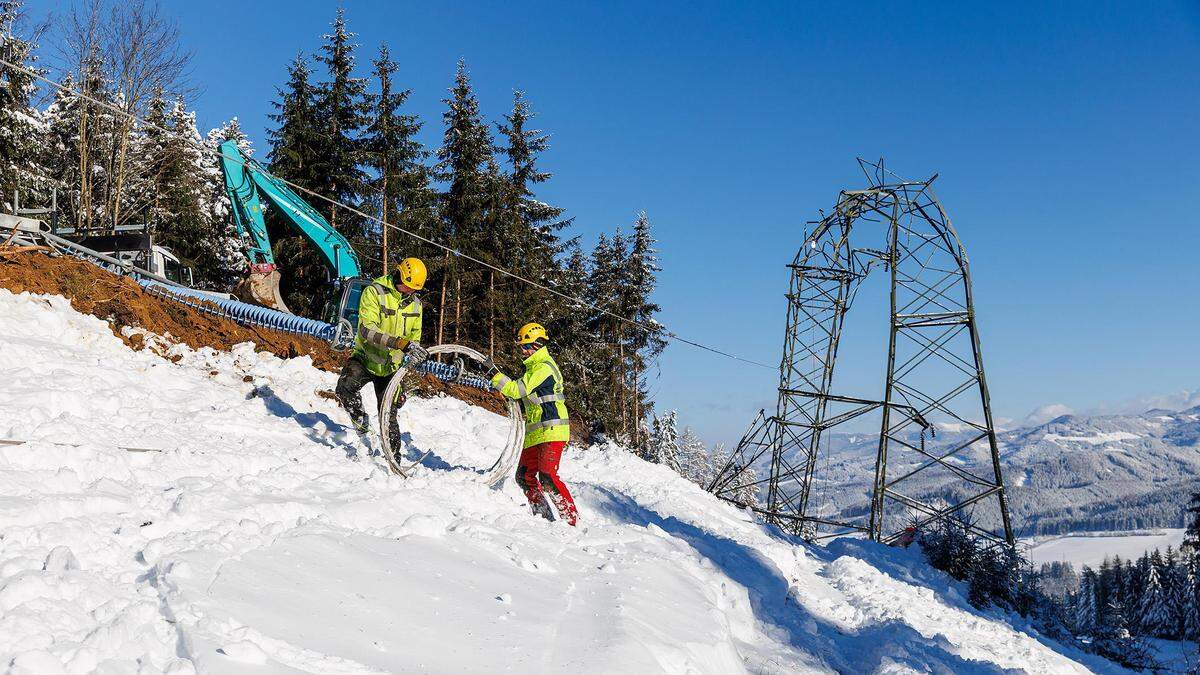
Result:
<point x="385" y="313"/>
<point x="540" y="391"/>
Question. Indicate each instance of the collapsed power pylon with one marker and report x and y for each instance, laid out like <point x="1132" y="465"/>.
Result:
<point x="934" y="378"/>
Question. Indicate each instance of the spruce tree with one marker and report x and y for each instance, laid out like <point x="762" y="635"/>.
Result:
<point x="1192" y="535"/>
<point x="181" y="196"/>
<point x="694" y="460"/>
<point x="464" y="159"/>
<point x="229" y="258"/>
<point x="643" y="344"/>
<point x="341" y="110"/>
<point x="293" y="156"/>
<point x="1153" y="617"/>
<point x="61" y="148"/>
<point x="22" y="129"/>
<point x="1085" y="615"/>
<point x="400" y="192"/>
<point x="568" y="323"/>
<point x="294" y="139"/>
<point x="663" y="446"/>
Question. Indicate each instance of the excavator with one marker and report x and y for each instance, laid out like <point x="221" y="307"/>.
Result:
<point x="248" y="183"/>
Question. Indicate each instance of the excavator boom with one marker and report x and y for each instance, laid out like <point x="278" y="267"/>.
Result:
<point x="247" y="182"/>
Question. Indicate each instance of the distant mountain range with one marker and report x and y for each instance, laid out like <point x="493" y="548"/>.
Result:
<point x="1073" y="473"/>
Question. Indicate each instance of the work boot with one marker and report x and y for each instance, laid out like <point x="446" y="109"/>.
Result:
<point x="542" y="508"/>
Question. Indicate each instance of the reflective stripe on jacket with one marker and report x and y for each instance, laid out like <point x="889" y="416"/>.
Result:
<point x="540" y="391"/>
<point x="385" y="313"/>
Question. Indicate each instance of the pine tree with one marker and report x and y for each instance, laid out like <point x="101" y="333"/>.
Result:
<point x="568" y="322"/>
<point x="604" y="291"/>
<point x="1189" y="603"/>
<point x="1153" y="617"/>
<point x="1192" y="536"/>
<point x="341" y="110"/>
<point x="524" y="228"/>
<point x="694" y="460"/>
<point x="643" y="345"/>
<point x="22" y="129"/>
<point x="180" y="194"/>
<point x="295" y="145"/>
<point x="61" y="149"/>
<point x="400" y="192"/>
<point x="227" y="248"/>
<point x="464" y="160"/>
<point x="294" y="140"/>
<point x="746" y="492"/>
<point x="1085" y="617"/>
<point x="663" y="447"/>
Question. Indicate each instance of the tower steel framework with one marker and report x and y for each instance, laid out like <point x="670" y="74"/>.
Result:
<point x="934" y="378"/>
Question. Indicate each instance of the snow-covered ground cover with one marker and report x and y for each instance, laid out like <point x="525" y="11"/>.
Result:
<point x="1093" y="547"/>
<point x="247" y="540"/>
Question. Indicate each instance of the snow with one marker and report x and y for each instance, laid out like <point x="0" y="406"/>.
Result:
<point x="1091" y="548"/>
<point x="250" y="541"/>
<point x="1096" y="439"/>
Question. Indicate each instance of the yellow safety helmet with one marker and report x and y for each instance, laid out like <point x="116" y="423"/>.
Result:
<point x="530" y="333"/>
<point x="411" y="273"/>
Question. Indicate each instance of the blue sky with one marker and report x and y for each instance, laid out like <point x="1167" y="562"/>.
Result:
<point x="1066" y="136"/>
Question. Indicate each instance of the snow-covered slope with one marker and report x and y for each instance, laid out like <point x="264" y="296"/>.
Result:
<point x="247" y="541"/>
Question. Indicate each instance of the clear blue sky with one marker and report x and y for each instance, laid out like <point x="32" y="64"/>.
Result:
<point x="1066" y="136"/>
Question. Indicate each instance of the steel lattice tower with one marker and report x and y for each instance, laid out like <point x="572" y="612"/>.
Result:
<point x="934" y="377"/>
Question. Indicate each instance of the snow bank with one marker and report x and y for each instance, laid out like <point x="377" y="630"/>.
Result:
<point x="248" y="540"/>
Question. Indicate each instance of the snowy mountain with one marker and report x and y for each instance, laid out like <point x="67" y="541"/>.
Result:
<point x="1073" y="473"/>
<point x="204" y="516"/>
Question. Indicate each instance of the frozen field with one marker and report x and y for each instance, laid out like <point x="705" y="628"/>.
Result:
<point x="1091" y="549"/>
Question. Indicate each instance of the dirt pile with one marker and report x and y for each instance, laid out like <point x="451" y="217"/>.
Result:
<point x="121" y="302"/>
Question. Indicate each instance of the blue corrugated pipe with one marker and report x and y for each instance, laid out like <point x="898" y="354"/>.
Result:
<point x="242" y="312"/>
<point x="263" y="317"/>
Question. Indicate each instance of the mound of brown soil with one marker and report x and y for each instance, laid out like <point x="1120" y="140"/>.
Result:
<point x="121" y="302"/>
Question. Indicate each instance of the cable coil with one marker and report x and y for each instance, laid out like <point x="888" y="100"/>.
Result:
<point x="505" y="462"/>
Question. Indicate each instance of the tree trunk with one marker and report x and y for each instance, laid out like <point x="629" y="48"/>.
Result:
<point x="491" y="314"/>
<point x="85" y="183"/>
<point x="637" y="417"/>
<point x="457" y="306"/>
<point x="619" y="372"/>
<point x="119" y="173"/>
<point x="442" y="297"/>
<point x="384" y="225"/>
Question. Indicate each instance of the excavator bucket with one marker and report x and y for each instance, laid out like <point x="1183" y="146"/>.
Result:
<point x="261" y="288"/>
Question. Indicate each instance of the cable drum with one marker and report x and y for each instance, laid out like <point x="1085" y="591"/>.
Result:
<point x="504" y="464"/>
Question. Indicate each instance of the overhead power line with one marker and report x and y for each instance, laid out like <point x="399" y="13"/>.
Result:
<point x="649" y="326"/>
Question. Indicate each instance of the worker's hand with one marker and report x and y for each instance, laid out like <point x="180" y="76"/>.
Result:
<point x="490" y="366"/>
<point x="416" y="354"/>
<point x="397" y="342"/>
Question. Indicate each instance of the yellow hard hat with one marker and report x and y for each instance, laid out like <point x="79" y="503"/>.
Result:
<point x="530" y="333"/>
<point x="411" y="273"/>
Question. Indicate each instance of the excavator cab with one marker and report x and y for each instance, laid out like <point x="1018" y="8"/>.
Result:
<point x="342" y="311"/>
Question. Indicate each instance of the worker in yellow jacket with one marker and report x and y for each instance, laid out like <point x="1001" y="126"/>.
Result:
<point x="547" y="427"/>
<point x="389" y="334"/>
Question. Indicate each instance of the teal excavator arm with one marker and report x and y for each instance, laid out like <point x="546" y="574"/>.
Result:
<point x="247" y="182"/>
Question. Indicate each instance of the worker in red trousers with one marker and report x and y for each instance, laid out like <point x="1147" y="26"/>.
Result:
<point x="547" y="429"/>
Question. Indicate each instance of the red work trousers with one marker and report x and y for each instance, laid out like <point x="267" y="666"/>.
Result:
<point x="537" y="474"/>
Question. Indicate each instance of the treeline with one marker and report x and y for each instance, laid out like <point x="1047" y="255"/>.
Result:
<point x="345" y="133"/>
<point x="1109" y="611"/>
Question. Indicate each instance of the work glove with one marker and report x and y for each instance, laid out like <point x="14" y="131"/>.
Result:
<point x="397" y="342"/>
<point x="490" y="366"/>
<point x="416" y="354"/>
